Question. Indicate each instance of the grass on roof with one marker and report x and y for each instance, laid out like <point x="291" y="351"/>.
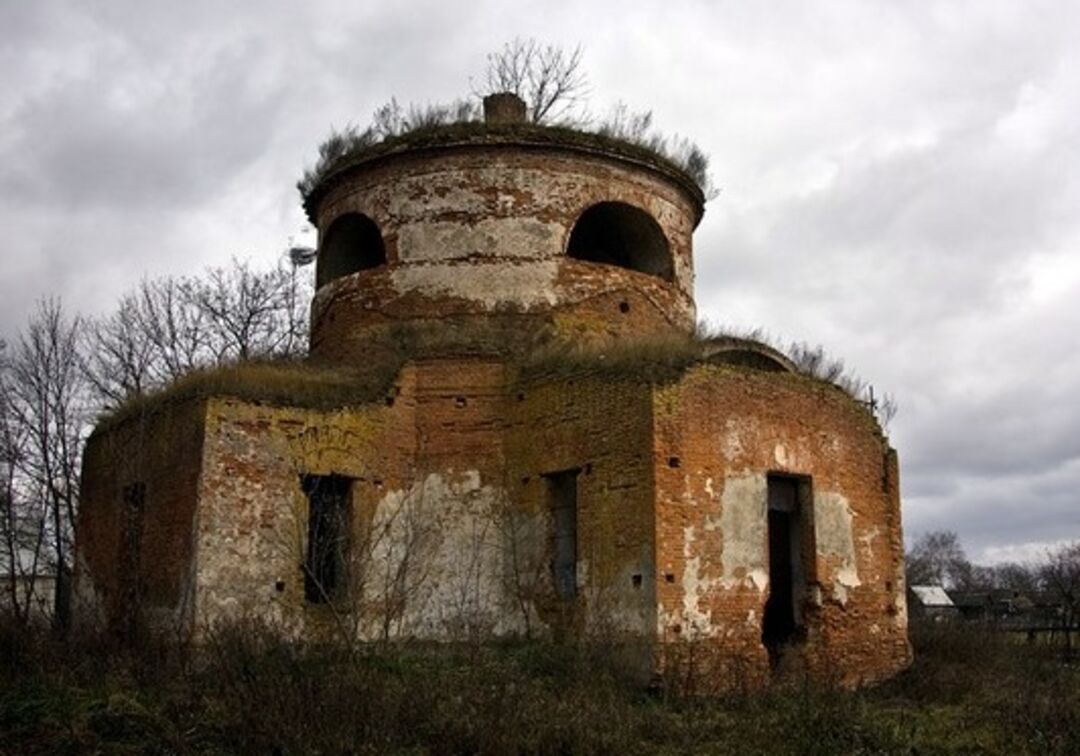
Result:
<point x="351" y="146"/>
<point x="284" y="383"/>
<point x="535" y="352"/>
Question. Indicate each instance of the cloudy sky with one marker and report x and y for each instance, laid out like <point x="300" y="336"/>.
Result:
<point x="900" y="182"/>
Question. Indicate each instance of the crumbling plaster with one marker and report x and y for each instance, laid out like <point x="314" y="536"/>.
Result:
<point x="484" y="229"/>
<point x="451" y="531"/>
<point x="730" y="429"/>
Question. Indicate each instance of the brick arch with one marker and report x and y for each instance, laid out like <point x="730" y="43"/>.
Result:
<point x="352" y="243"/>
<point x="617" y="233"/>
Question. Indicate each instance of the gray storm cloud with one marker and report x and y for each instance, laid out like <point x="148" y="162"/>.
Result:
<point x="899" y="183"/>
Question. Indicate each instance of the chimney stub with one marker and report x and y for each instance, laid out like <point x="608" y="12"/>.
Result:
<point x="504" y="107"/>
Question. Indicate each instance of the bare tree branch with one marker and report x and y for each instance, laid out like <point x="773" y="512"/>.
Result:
<point x="548" y="78"/>
<point x="46" y="399"/>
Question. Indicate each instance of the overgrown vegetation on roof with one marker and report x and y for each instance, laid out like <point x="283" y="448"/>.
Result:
<point x="312" y="385"/>
<point x="283" y="383"/>
<point x="666" y="358"/>
<point x="549" y="80"/>
<point x="536" y="353"/>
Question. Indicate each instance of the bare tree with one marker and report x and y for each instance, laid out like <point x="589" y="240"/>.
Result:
<point x="1061" y="576"/>
<point x="61" y="369"/>
<point x="938" y="558"/>
<point x="169" y="326"/>
<point x="243" y="309"/>
<point x="119" y="353"/>
<point x="45" y="398"/>
<point x="23" y="518"/>
<point x="547" y="77"/>
<point x="169" y="315"/>
<point x="13" y="557"/>
<point x="1015" y="576"/>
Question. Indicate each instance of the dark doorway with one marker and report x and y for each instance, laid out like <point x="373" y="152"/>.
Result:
<point x="562" y="498"/>
<point x="130" y="561"/>
<point x="328" y="537"/>
<point x="781" y="624"/>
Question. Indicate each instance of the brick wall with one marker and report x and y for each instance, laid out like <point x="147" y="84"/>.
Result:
<point x="452" y="534"/>
<point x="720" y="433"/>
<point x="603" y="429"/>
<point x="484" y="229"/>
<point x="133" y="562"/>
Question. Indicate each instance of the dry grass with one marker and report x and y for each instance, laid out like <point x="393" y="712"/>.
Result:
<point x="251" y="692"/>
<point x="286" y="383"/>
<point x="344" y="149"/>
<point x="313" y="385"/>
<point x="535" y="351"/>
<point x="656" y="360"/>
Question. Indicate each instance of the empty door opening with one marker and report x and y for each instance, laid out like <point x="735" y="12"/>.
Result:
<point x="562" y="498"/>
<point x="782" y="623"/>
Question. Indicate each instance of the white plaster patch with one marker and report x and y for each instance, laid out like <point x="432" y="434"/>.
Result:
<point x="780" y="455"/>
<point x="900" y="601"/>
<point x="414" y="196"/>
<point x="734" y="433"/>
<point x="581" y="577"/>
<point x="901" y="619"/>
<point x="695" y="585"/>
<point x="502" y="237"/>
<point x="833" y="532"/>
<point x="436" y="559"/>
<point x="693" y="588"/>
<point x="527" y="284"/>
<point x="743" y="522"/>
<point x="867" y="541"/>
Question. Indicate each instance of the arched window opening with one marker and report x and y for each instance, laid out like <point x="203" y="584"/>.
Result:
<point x="751" y="358"/>
<point x="352" y="243"/>
<point x="614" y="233"/>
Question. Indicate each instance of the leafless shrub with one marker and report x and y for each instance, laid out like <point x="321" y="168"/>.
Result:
<point x="550" y="81"/>
<point x="169" y="327"/>
<point x="622" y="123"/>
<point x="547" y="77"/>
<point x="524" y="560"/>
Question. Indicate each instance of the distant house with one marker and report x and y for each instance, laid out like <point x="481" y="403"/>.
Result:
<point x="992" y="605"/>
<point x="1036" y="614"/>
<point x="931" y="602"/>
<point x="36" y="583"/>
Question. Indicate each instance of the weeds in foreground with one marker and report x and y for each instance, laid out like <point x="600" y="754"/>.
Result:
<point x="251" y="692"/>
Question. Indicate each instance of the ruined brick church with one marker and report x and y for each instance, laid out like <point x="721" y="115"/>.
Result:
<point x="734" y="504"/>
